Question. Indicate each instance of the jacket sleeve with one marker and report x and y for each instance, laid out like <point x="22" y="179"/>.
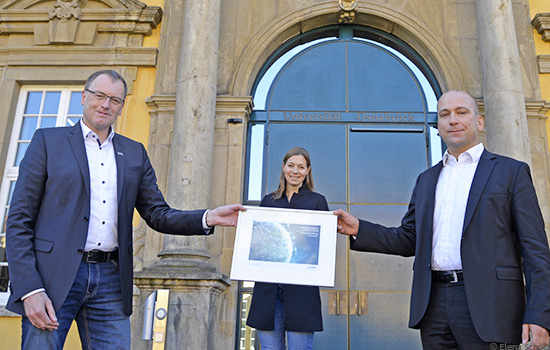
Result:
<point x="26" y="199"/>
<point x="153" y="208"/>
<point x="529" y="226"/>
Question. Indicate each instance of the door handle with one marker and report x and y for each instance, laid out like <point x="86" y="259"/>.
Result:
<point x="385" y="129"/>
<point x="362" y="303"/>
<point x="338" y="302"/>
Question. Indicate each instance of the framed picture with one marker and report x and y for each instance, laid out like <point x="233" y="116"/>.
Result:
<point x="285" y="246"/>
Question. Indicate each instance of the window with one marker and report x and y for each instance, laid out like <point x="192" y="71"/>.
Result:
<point x="38" y="107"/>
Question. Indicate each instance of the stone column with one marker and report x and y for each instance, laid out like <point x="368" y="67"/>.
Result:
<point x="196" y="286"/>
<point x="193" y="134"/>
<point x="506" y="120"/>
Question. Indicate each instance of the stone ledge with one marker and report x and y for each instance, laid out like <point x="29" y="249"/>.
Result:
<point x="162" y="103"/>
<point x="533" y="109"/>
<point x="234" y="104"/>
<point x="180" y="279"/>
<point x="541" y="23"/>
<point x="537" y="109"/>
<point x="544" y="64"/>
<point x="85" y="56"/>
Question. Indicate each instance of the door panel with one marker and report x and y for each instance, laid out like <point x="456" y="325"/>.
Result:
<point x="379" y="76"/>
<point x="383" y="166"/>
<point x="374" y="288"/>
<point x="385" y="326"/>
<point x="316" y="77"/>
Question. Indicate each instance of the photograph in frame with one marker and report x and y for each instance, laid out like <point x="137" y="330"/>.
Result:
<point x="287" y="246"/>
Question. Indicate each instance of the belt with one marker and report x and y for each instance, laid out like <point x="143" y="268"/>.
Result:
<point x="97" y="256"/>
<point x="452" y="276"/>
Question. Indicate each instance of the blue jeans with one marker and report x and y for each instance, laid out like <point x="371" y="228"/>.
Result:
<point x="275" y="339"/>
<point x="95" y="302"/>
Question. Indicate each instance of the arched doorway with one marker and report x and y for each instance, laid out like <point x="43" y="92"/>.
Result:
<point x="363" y="104"/>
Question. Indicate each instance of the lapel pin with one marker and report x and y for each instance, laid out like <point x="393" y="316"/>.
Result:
<point x="120" y="153"/>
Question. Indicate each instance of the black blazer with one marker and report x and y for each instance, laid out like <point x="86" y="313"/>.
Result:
<point x="503" y="239"/>
<point x="302" y="303"/>
<point x="48" y="218"/>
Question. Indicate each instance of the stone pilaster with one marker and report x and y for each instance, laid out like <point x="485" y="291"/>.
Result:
<point x="148" y="242"/>
<point x="193" y="133"/>
<point x="506" y="121"/>
<point x="232" y="115"/>
<point x="536" y="117"/>
<point x="195" y="285"/>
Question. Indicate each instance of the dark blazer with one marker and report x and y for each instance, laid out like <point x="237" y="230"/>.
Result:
<point x="48" y="217"/>
<point x="503" y="239"/>
<point x="302" y="303"/>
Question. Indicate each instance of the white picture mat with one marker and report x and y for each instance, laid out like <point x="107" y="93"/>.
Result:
<point x="321" y="223"/>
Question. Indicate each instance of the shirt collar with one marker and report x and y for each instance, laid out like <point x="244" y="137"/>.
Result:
<point x="474" y="153"/>
<point x="86" y="131"/>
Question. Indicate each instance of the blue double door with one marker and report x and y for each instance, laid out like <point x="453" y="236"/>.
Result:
<point x="368" y="170"/>
<point x="360" y="110"/>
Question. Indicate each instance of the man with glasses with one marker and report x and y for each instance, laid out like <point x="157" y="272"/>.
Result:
<point x="69" y="229"/>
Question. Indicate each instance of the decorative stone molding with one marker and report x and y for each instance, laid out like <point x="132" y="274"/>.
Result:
<point x="411" y="29"/>
<point x="346" y="11"/>
<point x="71" y="22"/>
<point x="544" y="63"/>
<point x="241" y="105"/>
<point x="541" y="22"/>
<point x="62" y="26"/>
<point x="537" y="109"/>
<point x="64" y="10"/>
<point x="162" y="104"/>
<point x="533" y="109"/>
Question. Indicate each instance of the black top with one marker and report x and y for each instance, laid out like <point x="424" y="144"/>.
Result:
<point x="302" y="303"/>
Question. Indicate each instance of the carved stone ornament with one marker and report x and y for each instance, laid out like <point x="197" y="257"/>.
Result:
<point x="541" y="23"/>
<point x="65" y="9"/>
<point x="346" y="12"/>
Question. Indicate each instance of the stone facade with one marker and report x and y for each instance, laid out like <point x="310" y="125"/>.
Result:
<point x="191" y="68"/>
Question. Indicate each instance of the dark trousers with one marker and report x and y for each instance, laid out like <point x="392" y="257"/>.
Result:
<point x="447" y="323"/>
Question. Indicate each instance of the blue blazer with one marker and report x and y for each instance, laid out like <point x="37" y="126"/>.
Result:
<point x="302" y="303"/>
<point x="50" y="208"/>
<point x="503" y="240"/>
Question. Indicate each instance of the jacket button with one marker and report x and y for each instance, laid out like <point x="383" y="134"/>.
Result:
<point x="80" y="251"/>
<point x="86" y="219"/>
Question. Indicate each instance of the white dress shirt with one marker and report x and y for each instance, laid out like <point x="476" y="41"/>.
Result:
<point x="103" y="224"/>
<point x="451" y="198"/>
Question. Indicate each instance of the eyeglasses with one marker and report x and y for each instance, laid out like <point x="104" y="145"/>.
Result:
<point x="100" y="96"/>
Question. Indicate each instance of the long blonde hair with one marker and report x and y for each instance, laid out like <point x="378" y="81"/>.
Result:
<point x="308" y="181"/>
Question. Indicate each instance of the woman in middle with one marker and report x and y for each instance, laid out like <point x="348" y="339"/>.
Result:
<point x="285" y="308"/>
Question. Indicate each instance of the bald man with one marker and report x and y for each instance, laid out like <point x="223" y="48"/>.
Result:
<point x="475" y="228"/>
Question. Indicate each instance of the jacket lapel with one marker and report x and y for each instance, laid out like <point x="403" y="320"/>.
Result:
<point x="432" y="176"/>
<point x="119" y="157"/>
<point x="483" y="172"/>
<point x="76" y="141"/>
